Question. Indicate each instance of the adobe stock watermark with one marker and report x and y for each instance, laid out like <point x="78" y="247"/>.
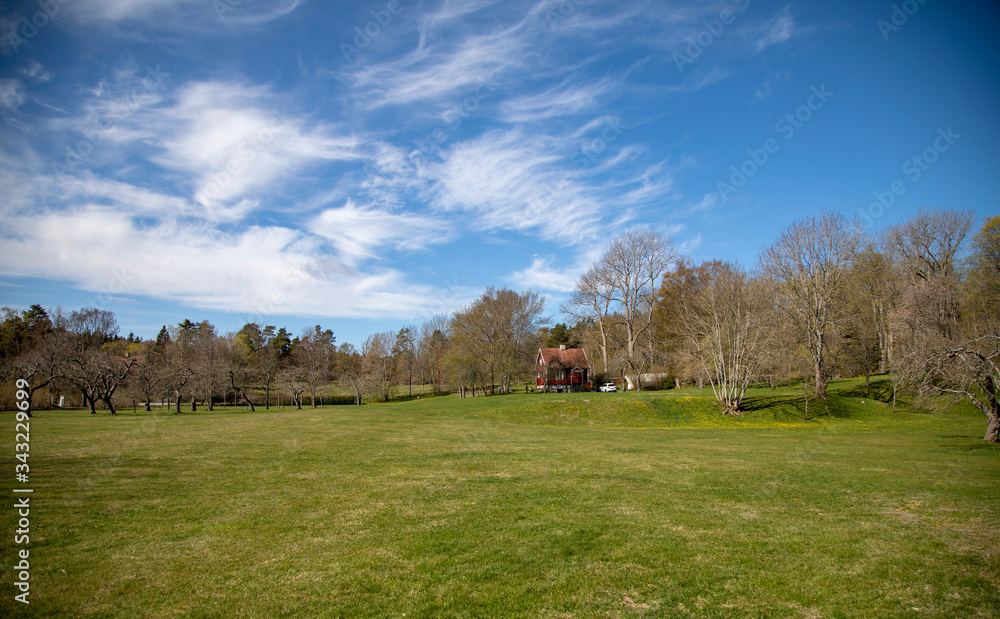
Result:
<point x="364" y="35"/>
<point x="563" y="11"/>
<point x="122" y="109"/>
<point x="787" y="127"/>
<point x="247" y="151"/>
<point x="28" y="27"/>
<point x="590" y="150"/>
<point x="712" y="30"/>
<point x="914" y="169"/>
<point x="901" y="13"/>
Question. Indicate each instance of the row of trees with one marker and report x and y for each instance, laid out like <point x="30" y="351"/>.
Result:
<point x="485" y="346"/>
<point x="824" y="299"/>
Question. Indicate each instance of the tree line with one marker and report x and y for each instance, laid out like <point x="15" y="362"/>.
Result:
<point x="920" y="299"/>
<point x="484" y="347"/>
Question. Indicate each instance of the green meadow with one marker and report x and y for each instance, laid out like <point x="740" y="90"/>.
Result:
<point x="526" y="505"/>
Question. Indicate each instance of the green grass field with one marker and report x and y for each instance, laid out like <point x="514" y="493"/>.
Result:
<point x="528" y="505"/>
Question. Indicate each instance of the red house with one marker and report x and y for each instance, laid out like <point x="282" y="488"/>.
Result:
<point x="562" y="369"/>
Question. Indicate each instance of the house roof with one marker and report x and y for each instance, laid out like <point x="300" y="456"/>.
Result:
<point x="568" y="358"/>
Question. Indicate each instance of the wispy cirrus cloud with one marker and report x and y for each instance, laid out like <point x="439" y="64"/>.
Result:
<point x="170" y="12"/>
<point x="363" y="231"/>
<point x="560" y="101"/>
<point x="542" y="185"/>
<point x="234" y="139"/>
<point x="774" y="31"/>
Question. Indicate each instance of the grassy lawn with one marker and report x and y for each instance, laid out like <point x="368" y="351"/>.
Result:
<point x="528" y="505"/>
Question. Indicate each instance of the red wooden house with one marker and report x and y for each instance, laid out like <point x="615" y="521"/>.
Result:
<point x="562" y="369"/>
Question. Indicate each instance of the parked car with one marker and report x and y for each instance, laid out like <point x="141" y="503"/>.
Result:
<point x="609" y="388"/>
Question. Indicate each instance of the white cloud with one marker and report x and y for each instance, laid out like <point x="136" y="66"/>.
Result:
<point x="778" y="29"/>
<point x="514" y="182"/>
<point x="34" y="71"/>
<point x="260" y="270"/>
<point x="542" y="275"/>
<point x="360" y="232"/>
<point x="11" y="94"/>
<point x="117" y="10"/>
<point x="178" y="12"/>
<point x="559" y="101"/>
<point x="233" y="143"/>
<point x="435" y="75"/>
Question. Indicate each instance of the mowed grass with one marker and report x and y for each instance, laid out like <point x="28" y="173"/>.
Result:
<point x="528" y="505"/>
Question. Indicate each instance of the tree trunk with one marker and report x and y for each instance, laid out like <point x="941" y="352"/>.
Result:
<point x="194" y="405"/>
<point x="820" y="386"/>
<point x="993" y="429"/>
<point x="149" y="407"/>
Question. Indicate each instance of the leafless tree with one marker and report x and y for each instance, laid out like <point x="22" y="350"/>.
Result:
<point x="498" y="332"/>
<point x="809" y="265"/>
<point x="927" y="247"/>
<point x="942" y="352"/>
<point x="726" y="326"/>
<point x="293" y="379"/>
<point x="404" y="350"/>
<point x="314" y="356"/>
<point x="592" y="300"/>
<point x="432" y="351"/>
<point x="239" y="368"/>
<point x="875" y="282"/>
<point x="621" y="289"/>
<point x="981" y="293"/>
<point x="377" y="363"/>
<point x="350" y="371"/>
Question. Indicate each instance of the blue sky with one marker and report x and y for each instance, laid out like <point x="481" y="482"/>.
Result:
<point x="368" y="165"/>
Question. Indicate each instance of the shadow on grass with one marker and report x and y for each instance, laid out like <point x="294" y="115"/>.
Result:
<point x="877" y="389"/>
<point x="782" y="408"/>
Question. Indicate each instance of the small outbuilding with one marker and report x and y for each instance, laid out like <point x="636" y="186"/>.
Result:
<point x="562" y="369"/>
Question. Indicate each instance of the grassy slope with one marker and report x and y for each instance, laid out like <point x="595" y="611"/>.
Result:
<point x="525" y="505"/>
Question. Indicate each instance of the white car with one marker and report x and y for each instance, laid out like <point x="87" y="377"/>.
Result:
<point x="609" y="388"/>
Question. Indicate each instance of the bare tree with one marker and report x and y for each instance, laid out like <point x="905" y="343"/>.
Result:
<point x="727" y="325"/>
<point x="404" y="350"/>
<point x="30" y="349"/>
<point x="293" y="378"/>
<point x="679" y="288"/>
<point x="499" y="333"/>
<point x="809" y="265"/>
<point x="239" y="367"/>
<point x="621" y="288"/>
<point x="208" y="362"/>
<point x="981" y="293"/>
<point x="944" y="353"/>
<point x="927" y="247"/>
<point x="970" y="369"/>
<point x="85" y="364"/>
<point x="874" y="282"/>
<point x="377" y="363"/>
<point x="351" y="371"/>
<point x="592" y="300"/>
<point x="314" y="356"/>
<point x="432" y="351"/>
